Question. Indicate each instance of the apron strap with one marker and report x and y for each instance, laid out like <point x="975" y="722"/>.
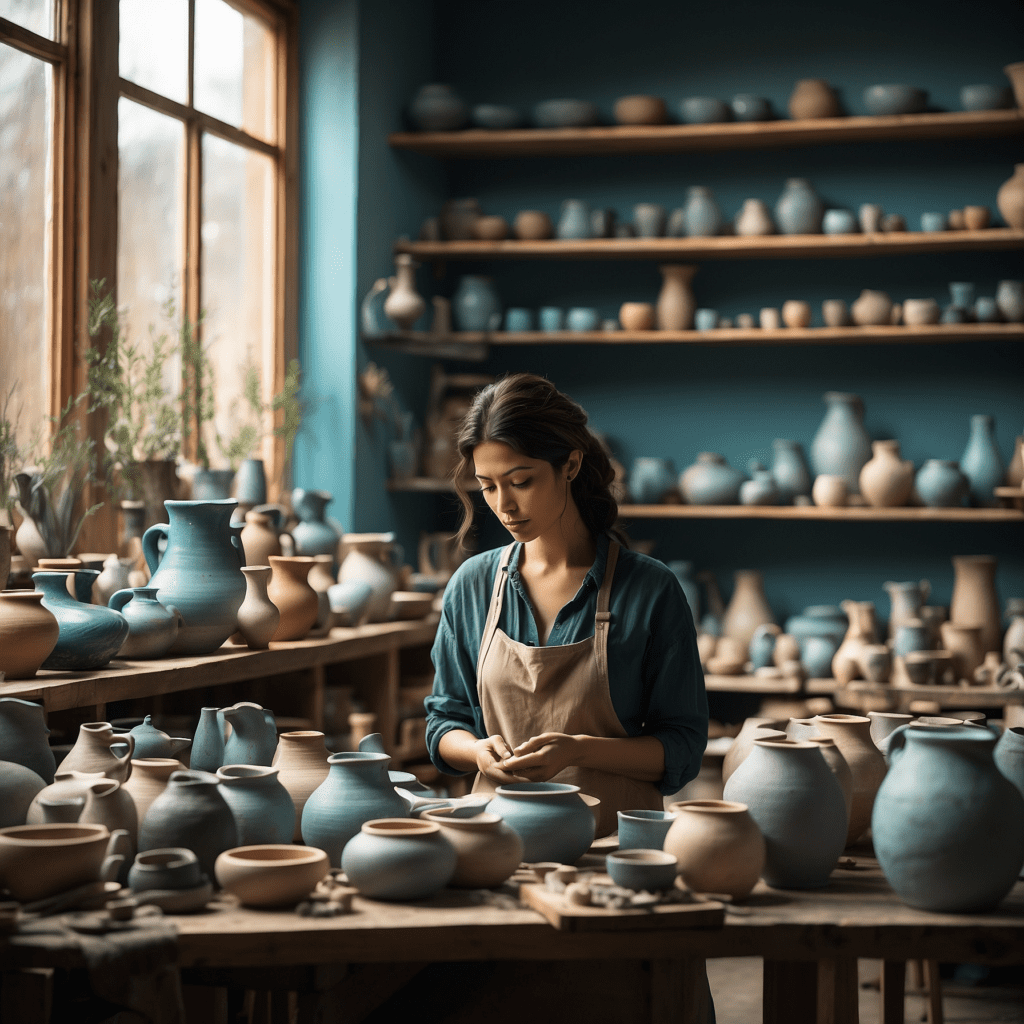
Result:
<point x="602" y="620"/>
<point x="494" y="609"/>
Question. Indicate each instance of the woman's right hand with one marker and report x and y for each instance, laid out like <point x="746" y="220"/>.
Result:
<point x="490" y="755"/>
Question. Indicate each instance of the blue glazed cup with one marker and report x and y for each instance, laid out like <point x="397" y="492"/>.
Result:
<point x="642" y="870"/>
<point x="985" y="97"/>
<point x="839" y="222"/>
<point x="551" y="318"/>
<point x="644" y="830"/>
<point x="747" y="107"/>
<point x="518" y="319"/>
<point x="703" y="110"/>
<point x="705" y="319"/>
<point x="582" y="318"/>
<point x="933" y="222"/>
<point x="985" y="310"/>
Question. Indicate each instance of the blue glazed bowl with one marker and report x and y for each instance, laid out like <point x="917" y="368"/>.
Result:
<point x="985" y="97"/>
<point x="643" y="870"/>
<point x="703" y="110"/>
<point x="839" y="222"/>
<point x="582" y="318"/>
<point x="565" y="114"/>
<point x="747" y="107"/>
<point x="644" y="830"/>
<point x="895" y="99"/>
<point x="495" y="116"/>
<point x="552" y="318"/>
<point x="551" y="818"/>
<point x="518" y="319"/>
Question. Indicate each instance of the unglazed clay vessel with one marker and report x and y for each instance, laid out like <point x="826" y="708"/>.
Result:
<point x="830" y="491"/>
<point x="258" y="617"/>
<point x="490" y="228"/>
<point x="301" y="762"/>
<point x="487" y="850"/>
<point x="107" y="803"/>
<point x="743" y="744"/>
<point x="710" y="481"/>
<point x="813" y="97"/>
<point x="636" y="316"/>
<point x="149" y="779"/>
<point x="457" y="219"/>
<point x="19" y="786"/>
<point x="754" y="219"/>
<point x="399" y="859"/>
<point x="717" y="846"/>
<point x="917" y="312"/>
<point x="1010" y="198"/>
<point x="796" y="313"/>
<point x="295" y="600"/>
<point x="965" y="645"/>
<point x="372" y="558"/>
<point x="642" y="870"/>
<point x="640" y="110"/>
<point x="886" y="480"/>
<point x="883" y="725"/>
<point x="28" y="633"/>
<point x="747" y="609"/>
<point x="862" y="631"/>
<point x="701" y="216"/>
<point x="676" y="303"/>
<point x="208" y="743"/>
<point x="872" y="308"/>
<point x="790" y="471"/>
<point x="532" y="225"/>
<point x="92" y="753"/>
<point x="260" y="537"/>
<point x="641" y="829"/>
<point x="37" y="861"/>
<point x="975" y="601"/>
<point x="837" y="765"/>
<point x="252" y="738"/>
<point x="271" y="875"/>
<point x="114" y="577"/>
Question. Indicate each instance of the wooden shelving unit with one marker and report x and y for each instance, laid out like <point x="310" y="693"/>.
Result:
<point x="428" y="485"/>
<point x="682" y="138"/>
<point x="722" y="247"/>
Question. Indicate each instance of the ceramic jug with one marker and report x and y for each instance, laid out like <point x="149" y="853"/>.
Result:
<point x="948" y="827"/>
<point x="906" y="601"/>
<point x="790" y="470"/>
<point x="258" y="618"/>
<point x="475" y="304"/>
<point x="313" y="534"/>
<point x="301" y="763"/>
<point x="404" y="305"/>
<point x="676" y="303"/>
<point x="982" y="462"/>
<point x="748" y="608"/>
<point x="862" y="632"/>
<point x="152" y="628"/>
<point x="294" y="598"/>
<point x="940" y="484"/>
<point x="841" y="445"/>
<point x="151" y="742"/>
<point x="260" y="537"/>
<point x="64" y="798"/>
<point x="28" y="633"/>
<point x="149" y="779"/>
<point x="90" y="635"/>
<point x="113" y="578"/>
<point x="200" y="573"/>
<point x="107" y="803"/>
<point x="372" y="558"/>
<point x="701" y="216"/>
<point x="650" y="480"/>
<point x="23" y="735"/>
<point x="262" y="809"/>
<point x="886" y="480"/>
<point x="975" y="601"/>
<point x="208" y="742"/>
<point x="252" y="740"/>
<point x="799" y="210"/>
<point x="92" y="753"/>
<point x="883" y="725"/>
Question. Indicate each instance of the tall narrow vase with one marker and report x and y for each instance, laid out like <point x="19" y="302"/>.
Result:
<point x="841" y="447"/>
<point x="748" y="608"/>
<point x="301" y="762"/>
<point x="258" y="618"/>
<point x="676" y="302"/>
<point x="975" y="601"/>
<point x="404" y="305"/>
<point x="982" y="462"/>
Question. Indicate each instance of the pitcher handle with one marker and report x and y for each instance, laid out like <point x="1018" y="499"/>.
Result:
<point x="897" y="743"/>
<point x="236" y="543"/>
<point x="120" y="598"/>
<point x="125" y="737"/>
<point x="150" y="539"/>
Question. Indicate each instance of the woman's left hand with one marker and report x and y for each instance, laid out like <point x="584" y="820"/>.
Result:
<point x="542" y="757"/>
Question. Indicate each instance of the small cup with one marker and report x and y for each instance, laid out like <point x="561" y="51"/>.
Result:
<point x="745" y="321"/>
<point x="518" y="319"/>
<point x="933" y="221"/>
<point x="986" y="310"/>
<point x="552" y="318"/>
<point x="770" y="319"/>
<point x="649" y="220"/>
<point x="796" y="313"/>
<point x="956" y="220"/>
<point x="839" y="222"/>
<point x="976" y="217"/>
<point x="582" y="319"/>
<point x="830" y="491"/>
<point x="637" y="316"/>
<point x="643" y="870"/>
<point x="644" y="830"/>
<point x="870" y="217"/>
<point x="705" y="319"/>
<point x="835" y="313"/>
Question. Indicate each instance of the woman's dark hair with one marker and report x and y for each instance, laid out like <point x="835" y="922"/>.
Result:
<point x="534" y="418"/>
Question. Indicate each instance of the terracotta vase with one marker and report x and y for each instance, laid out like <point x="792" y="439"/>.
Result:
<point x="796" y="313"/>
<point x="532" y="225"/>
<point x="636" y="316"/>
<point x="1015" y="470"/>
<point x="754" y="218"/>
<point x="28" y="633"/>
<point x="487" y="850"/>
<point x="92" y="753"/>
<point x="813" y="97"/>
<point x="886" y="480"/>
<point x="149" y="779"/>
<point x="295" y="599"/>
<point x="259" y="617"/>
<point x="301" y="763"/>
<point x="837" y="765"/>
<point x="107" y="803"/>
<point x="743" y="744"/>
<point x="748" y="608"/>
<point x="975" y="601"/>
<point x="676" y="302"/>
<point x="1010" y="198"/>
<point x="717" y="845"/>
<point x="404" y="305"/>
<point x="862" y="632"/>
<point x="259" y="538"/>
<point x="965" y="644"/>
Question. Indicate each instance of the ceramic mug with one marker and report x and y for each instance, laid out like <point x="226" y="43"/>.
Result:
<point x="582" y="318"/>
<point x="933" y="221"/>
<point x="770" y="318"/>
<point x="644" y="830"/>
<point x="551" y="318"/>
<point x="518" y="319"/>
<point x="705" y="319"/>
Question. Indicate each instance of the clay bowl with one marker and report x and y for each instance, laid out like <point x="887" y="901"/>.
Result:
<point x="532" y="225"/>
<point x="37" y="861"/>
<point x="703" y="110"/>
<point x="410" y="604"/>
<point x="636" y="316"/>
<point x="490" y="228"/>
<point x="650" y="870"/>
<point x="495" y="117"/>
<point x="567" y="113"/>
<point x="895" y="99"/>
<point x="640" y="110"/>
<point x="271" y="875"/>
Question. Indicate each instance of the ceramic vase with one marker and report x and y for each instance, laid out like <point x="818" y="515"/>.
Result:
<point x="28" y="634"/>
<point x="964" y="644"/>
<point x="550" y="818"/>
<point x="811" y="98"/>
<point x="252" y="738"/>
<point x="153" y="742"/>
<point x="357" y="789"/>
<point x="89" y="634"/>
<point x="294" y="598"/>
<point x="574" y="221"/>
<point x="948" y="827"/>
<point x="841" y="445"/>
<point x="1010" y="199"/>
<point x="113" y="578"/>
<point x="650" y="480"/>
<point x="107" y="803"/>
<point x="321" y="579"/>
<point x="852" y="736"/>
<point x="259" y="538"/>
<point x="399" y="859"/>
<point x="740" y="748"/>
<point x="886" y="480"/>
<point x="271" y="874"/>
<point x="676" y="303"/>
<point x="259" y="617"/>
<point x="208" y="743"/>
<point x="982" y="462"/>
<point x="301" y="763"/>
<point x="1010" y="300"/>
<point x="313" y="534"/>
<point x="438" y="108"/>
<point x="862" y="632"/>
<point x="487" y="850"/>
<point x="404" y="305"/>
<point x="262" y="807"/>
<point x="710" y="481"/>
<point x="837" y="765"/>
<point x="796" y="314"/>
<point x="250" y="484"/>
<point x="835" y="313"/>
<point x="790" y="470"/>
<point x="754" y="219"/>
<point x="475" y="304"/>
<point x="152" y="628"/>
<point x="940" y="484"/>
<point x="149" y="779"/>
<point x="19" y="786"/>
<point x="37" y="861"/>
<point x="798" y="805"/>
<point x="92" y="752"/>
<point x="905" y="603"/>
<point x="1015" y="470"/>
<point x="975" y="601"/>
<point x="799" y="210"/>
<point x="372" y="558"/>
<point x="192" y="813"/>
<point x="717" y="845"/>
<point x="760" y="490"/>
<point x="532" y="225"/>
<point x="648" y="220"/>
<point x="701" y="216"/>
<point x="1013" y="639"/>
<point x="748" y="608"/>
<point x="29" y="540"/>
<point x="762" y="645"/>
<point x="200" y="572"/>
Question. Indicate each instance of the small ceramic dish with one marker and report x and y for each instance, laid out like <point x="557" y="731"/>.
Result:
<point x="703" y="110"/>
<point x="495" y="117"/>
<point x="642" y="870"/>
<point x="172" y="867"/>
<point x="410" y="604"/>
<point x="884" y="100"/>
<point x="568" y="113"/>
<point x="271" y="874"/>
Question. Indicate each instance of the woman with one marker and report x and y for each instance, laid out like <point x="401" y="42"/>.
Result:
<point x="563" y="656"/>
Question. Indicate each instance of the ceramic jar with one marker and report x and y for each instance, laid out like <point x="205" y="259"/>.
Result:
<point x="841" y="445"/>
<point x="271" y="874"/>
<point x="940" y="484"/>
<point x="153" y="742"/>
<point x="917" y="312"/>
<point x="811" y="98"/>
<point x="829" y="491"/>
<point x="552" y="820"/>
<point x="818" y="620"/>
<point x="37" y="861"/>
<point x="754" y="219"/>
<point x="650" y="480"/>
<point x="982" y="462"/>
<point x="438" y="108"/>
<point x="192" y="813"/>
<point x="886" y="480"/>
<point x="172" y="868"/>
<point x="948" y="828"/>
<point x="28" y="633"/>
<point x="975" y="601"/>
<point x="796" y="314"/>
<point x="399" y="859"/>
<point x="710" y="481"/>
<point x="648" y="220"/>
<point x="259" y="538"/>
<point x="404" y="305"/>
<point x="200" y="572"/>
<point x="760" y="490"/>
<point x="574" y="222"/>
<point x="476" y="305"/>
<point x="357" y="789"/>
<point x="640" y="110"/>
<point x="1010" y="300"/>
<point x="208" y="743"/>
<point x="797" y="803"/>
<point x="92" y="753"/>
<point x="532" y="225"/>
<point x="258" y="617"/>
<point x="740" y="748"/>
<point x="149" y="779"/>
<point x="701" y="216"/>
<point x="906" y="601"/>
<point x="676" y="303"/>
<point x="19" y="786"/>
<point x="262" y="807"/>
<point x="1010" y="198"/>
<point x="747" y="609"/>
<point x="152" y="628"/>
<point x="487" y="850"/>
<point x="636" y="316"/>
<point x="89" y="634"/>
<point x="790" y="470"/>
<point x="253" y="736"/>
<point x="114" y="577"/>
<point x="301" y="763"/>
<point x="107" y="803"/>
<point x="313" y="534"/>
<point x="296" y="601"/>
<point x="862" y="632"/>
<point x="799" y="210"/>
<point x="372" y="558"/>
<point x="964" y="643"/>
<point x="838" y="221"/>
<point x="872" y="309"/>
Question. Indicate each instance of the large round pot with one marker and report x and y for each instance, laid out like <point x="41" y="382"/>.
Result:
<point x="487" y="849"/>
<point x="551" y="818"/>
<point x="399" y="859"/>
<point x="152" y="627"/>
<point x="28" y="633"/>
<point x="90" y="635"/>
<point x="710" y="481"/>
<point x="262" y="808"/>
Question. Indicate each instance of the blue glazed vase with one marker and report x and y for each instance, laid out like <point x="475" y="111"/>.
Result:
<point x="841" y="447"/>
<point x="701" y="216"/>
<point x="947" y="826"/>
<point x="761" y="490"/>
<point x="799" y="210"/>
<point x="816" y="654"/>
<point x="90" y="635"/>
<point x="262" y="809"/>
<point x="683" y="571"/>
<point x="476" y="305"/>
<point x="799" y="807"/>
<point x="251" y="483"/>
<point x="399" y="859"/>
<point x="551" y="818"/>
<point x="313" y="535"/>
<point x="208" y="742"/>
<point x="574" y="221"/>
<point x="253" y="736"/>
<point x="84" y="579"/>
<point x="981" y="461"/>
<point x="650" y="480"/>
<point x="710" y="481"/>
<point x="212" y="484"/>
<point x="762" y="644"/>
<point x="940" y="484"/>
<point x="357" y="789"/>
<point x="152" y="628"/>
<point x="200" y="573"/>
<point x="790" y="470"/>
<point x="23" y="735"/>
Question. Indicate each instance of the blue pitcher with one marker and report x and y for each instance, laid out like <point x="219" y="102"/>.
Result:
<point x="313" y="534"/>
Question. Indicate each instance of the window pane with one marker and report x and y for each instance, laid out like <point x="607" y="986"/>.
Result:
<point x="150" y="226"/>
<point x="154" y="46"/>
<point x="35" y="15"/>
<point x="234" y="68"/>
<point x="26" y="213"/>
<point x="238" y="274"/>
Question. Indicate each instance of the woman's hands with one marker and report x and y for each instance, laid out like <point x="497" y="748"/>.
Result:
<point x="542" y="757"/>
<point x="492" y="753"/>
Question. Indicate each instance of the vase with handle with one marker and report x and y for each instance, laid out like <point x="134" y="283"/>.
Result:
<point x="92" y="753"/>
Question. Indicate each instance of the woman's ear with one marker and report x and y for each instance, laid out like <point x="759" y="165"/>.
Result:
<point x="573" y="464"/>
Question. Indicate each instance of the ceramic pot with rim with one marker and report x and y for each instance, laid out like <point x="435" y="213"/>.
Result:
<point x="965" y="645"/>
<point x="883" y="725"/>
<point x="262" y="807"/>
<point x="740" y="748"/>
<point x="258" y="617"/>
<point x="170" y="868"/>
<point x="313" y="534"/>
<point x="152" y="628"/>
<point x="107" y="803"/>
<point x="372" y="558"/>
<point x="301" y="763"/>
<point x="841" y="445"/>
<point x="487" y="850"/>
<point x="701" y="216"/>
<point x="975" y="601"/>
<point x="270" y="874"/>
<point x="837" y="765"/>
<point x="92" y="753"/>
<point x="250" y="485"/>
<point x="872" y="309"/>
<point x="63" y="799"/>
<point x="710" y="481"/>
<point x="28" y="634"/>
<point x="886" y="480"/>
<point x="294" y="598"/>
<point x="551" y="818"/>
<point x="905" y="602"/>
<point x="149" y="779"/>
<point x="260" y="537"/>
<point x="37" y="861"/>
<point x="399" y="859"/>
<point x="754" y="219"/>
<point x="812" y="98"/>
<point x="113" y="578"/>
<point x="940" y="484"/>
<point x="90" y="635"/>
<point x="862" y="631"/>
<point x="650" y="480"/>
<point x="717" y="845"/>
<point x="532" y="225"/>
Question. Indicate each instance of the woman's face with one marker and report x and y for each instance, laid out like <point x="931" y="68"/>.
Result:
<point x="528" y="496"/>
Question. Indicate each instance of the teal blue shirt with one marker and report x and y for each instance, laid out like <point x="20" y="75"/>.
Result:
<point x="654" y="673"/>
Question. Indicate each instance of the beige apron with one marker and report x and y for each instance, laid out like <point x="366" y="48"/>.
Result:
<point x="526" y="690"/>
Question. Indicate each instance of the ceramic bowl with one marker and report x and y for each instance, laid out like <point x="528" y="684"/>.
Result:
<point x="410" y="604"/>
<point x="170" y="868"/>
<point x="650" y="870"/>
<point x="582" y="318"/>
<point x="637" y="316"/>
<point x="518" y="319"/>
<point x="703" y="110"/>
<point x="747" y="107"/>
<point x="644" y="830"/>
<point x="934" y="221"/>
<point x="37" y="861"/>
<point x="920" y="311"/>
<point x="640" y="110"/>
<point x="271" y="875"/>
<point x="349" y="601"/>
<point x="985" y="97"/>
<point x="565" y="114"/>
<point x="895" y="99"/>
<point x="839" y="221"/>
<point x="495" y="116"/>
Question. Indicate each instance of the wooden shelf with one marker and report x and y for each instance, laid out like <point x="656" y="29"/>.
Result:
<point x="805" y="512"/>
<point x="681" y="138"/>
<point x="768" y="687"/>
<point x="723" y="247"/>
<point x="428" y="485"/>
<point x="952" y="697"/>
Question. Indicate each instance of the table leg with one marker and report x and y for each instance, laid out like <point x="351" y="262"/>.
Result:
<point x="837" y="991"/>
<point x="893" y="991"/>
<point x="679" y="992"/>
<point x="789" y="992"/>
<point x="933" y="983"/>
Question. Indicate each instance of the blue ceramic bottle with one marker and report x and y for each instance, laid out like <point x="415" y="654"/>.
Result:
<point x="90" y="635"/>
<point x="550" y="817"/>
<point x="208" y="742"/>
<point x="790" y="470"/>
<point x="981" y="461"/>
<point x="476" y="305"/>
<point x="940" y="484"/>
<point x="313" y="535"/>
<point x="574" y="221"/>
<point x="251" y="483"/>
<point x="262" y="809"/>
<point x="152" y="628"/>
<point x="799" y="210"/>
<point x="841" y="446"/>
<point x="701" y="216"/>
<point x="23" y="735"/>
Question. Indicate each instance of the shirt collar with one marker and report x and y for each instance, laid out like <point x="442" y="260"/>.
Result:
<point x="593" y="577"/>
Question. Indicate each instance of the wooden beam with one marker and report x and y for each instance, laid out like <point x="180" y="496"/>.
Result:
<point x="31" y="43"/>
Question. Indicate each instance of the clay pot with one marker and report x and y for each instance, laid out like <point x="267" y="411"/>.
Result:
<point x="301" y="763"/>
<point x="261" y="806"/>
<point x="754" y="219"/>
<point x="964" y="643"/>
<point x="975" y="601"/>
<point x="886" y="480"/>
<point x="841" y="445"/>
<point x="271" y="875"/>
<point x="796" y="313"/>
<point x="852" y="735"/>
<point x="636" y="316"/>
<point x="23" y="735"/>
<point x="399" y="859"/>
<point x="870" y="216"/>
<point x="883" y="725"/>
<point x="28" y="633"/>
<point x="532" y="225"/>
<point x="748" y="608"/>
<point x="717" y="846"/>
<point x="769" y="319"/>
<point x="1010" y="198"/>
<point x="940" y="484"/>
<point x="701" y="216"/>
<point x="837" y="765"/>
<point x="813" y="97"/>
<point x="37" y="861"/>
<point x="800" y="210"/>
<point x="457" y="219"/>
<point x="829" y="491"/>
<point x="551" y="818"/>
<point x="982" y="462"/>
<point x="108" y="803"/>
<point x="676" y="302"/>
<point x="63" y="799"/>
<point x="252" y="739"/>
<point x="294" y="598"/>
<point x="787" y="649"/>
<point x="259" y="538"/>
<point x="640" y="110"/>
<point x="487" y="850"/>
<point x="152" y="628"/>
<point x="372" y="558"/>
<point x="917" y="312"/>
<point x="790" y="471"/>
<point x="259" y="617"/>
<point x="862" y="631"/>
<point x="872" y="308"/>
<point x="1009" y="299"/>
<point x="404" y="305"/>
<point x="92" y="753"/>
<point x="743" y="744"/>
<point x="876" y="663"/>
<point x="710" y="481"/>
<point x="490" y="228"/>
<point x="19" y="786"/>
<point x="438" y="108"/>
<point x="148" y="780"/>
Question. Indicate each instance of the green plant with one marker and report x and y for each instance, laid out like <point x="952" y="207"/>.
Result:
<point x="198" y="386"/>
<point x="11" y="455"/>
